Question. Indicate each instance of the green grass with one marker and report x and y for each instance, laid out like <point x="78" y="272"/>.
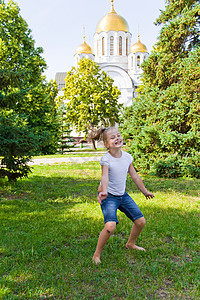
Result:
<point x="50" y="224"/>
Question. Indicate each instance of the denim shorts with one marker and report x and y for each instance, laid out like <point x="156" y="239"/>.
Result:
<point x="124" y="203"/>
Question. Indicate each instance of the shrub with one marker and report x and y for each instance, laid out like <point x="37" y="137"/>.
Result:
<point x="169" y="167"/>
<point x="17" y="145"/>
<point x="175" y="166"/>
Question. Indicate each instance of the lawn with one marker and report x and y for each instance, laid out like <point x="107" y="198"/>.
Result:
<point x="50" y="224"/>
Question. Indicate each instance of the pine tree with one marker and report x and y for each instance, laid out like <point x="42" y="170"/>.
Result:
<point x="162" y="126"/>
<point x="66" y="141"/>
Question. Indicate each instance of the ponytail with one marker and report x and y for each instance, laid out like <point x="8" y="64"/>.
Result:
<point x="97" y="134"/>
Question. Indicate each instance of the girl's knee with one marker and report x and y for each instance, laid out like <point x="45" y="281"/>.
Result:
<point x="140" y="222"/>
<point x="110" y="227"/>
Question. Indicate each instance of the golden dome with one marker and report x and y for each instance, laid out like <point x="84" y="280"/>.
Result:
<point x="84" y="48"/>
<point x="138" y="47"/>
<point x="112" y="21"/>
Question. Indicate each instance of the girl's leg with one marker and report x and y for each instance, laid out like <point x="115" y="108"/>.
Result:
<point x="138" y="225"/>
<point x="103" y="238"/>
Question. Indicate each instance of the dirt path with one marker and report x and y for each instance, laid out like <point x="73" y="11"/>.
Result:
<point x="38" y="161"/>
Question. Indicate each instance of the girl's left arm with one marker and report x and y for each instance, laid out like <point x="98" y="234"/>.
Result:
<point x="138" y="182"/>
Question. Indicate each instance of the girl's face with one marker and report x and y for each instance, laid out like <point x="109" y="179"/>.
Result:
<point x="113" y="139"/>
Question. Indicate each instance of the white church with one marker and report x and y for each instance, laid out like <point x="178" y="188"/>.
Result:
<point x="115" y="55"/>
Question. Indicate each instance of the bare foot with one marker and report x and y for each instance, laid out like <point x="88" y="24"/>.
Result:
<point x="96" y="260"/>
<point x="134" y="247"/>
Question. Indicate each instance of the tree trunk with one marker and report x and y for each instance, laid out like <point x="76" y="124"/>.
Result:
<point x="93" y="145"/>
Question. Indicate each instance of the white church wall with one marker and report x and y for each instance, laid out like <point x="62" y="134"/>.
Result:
<point x="135" y="61"/>
<point x="123" y="81"/>
<point x="119" y="60"/>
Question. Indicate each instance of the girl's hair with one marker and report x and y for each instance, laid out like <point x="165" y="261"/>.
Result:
<point x="105" y="132"/>
<point x="101" y="132"/>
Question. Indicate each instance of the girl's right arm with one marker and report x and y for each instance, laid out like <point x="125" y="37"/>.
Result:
<point x="104" y="184"/>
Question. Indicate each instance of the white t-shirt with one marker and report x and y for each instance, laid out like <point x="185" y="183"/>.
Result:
<point x="117" y="171"/>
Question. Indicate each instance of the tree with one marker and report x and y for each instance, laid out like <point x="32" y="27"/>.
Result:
<point x="162" y="126"/>
<point x="17" y="142"/>
<point x="40" y="107"/>
<point x="23" y="88"/>
<point x="21" y="64"/>
<point x="92" y="99"/>
<point x="65" y="141"/>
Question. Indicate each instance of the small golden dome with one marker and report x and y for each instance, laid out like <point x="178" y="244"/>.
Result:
<point x="138" y="47"/>
<point x="84" y="48"/>
<point x="112" y="21"/>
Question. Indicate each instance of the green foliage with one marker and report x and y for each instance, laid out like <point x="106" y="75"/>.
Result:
<point x="92" y="97"/>
<point x="170" y="167"/>
<point x="17" y="142"/>
<point x="181" y="21"/>
<point x="24" y="90"/>
<point x="66" y="141"/>
<point x="176" y="166"/>
<point x="164" y="120"/>
<point x="21" y="64"/>
<point x="40" y="106"/>
<point x="22" y="85"/>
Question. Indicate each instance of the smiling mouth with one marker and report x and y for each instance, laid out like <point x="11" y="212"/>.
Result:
<point x="118" y="142"/>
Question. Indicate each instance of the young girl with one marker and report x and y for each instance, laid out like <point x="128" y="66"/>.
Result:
<point x="115" y="165"/>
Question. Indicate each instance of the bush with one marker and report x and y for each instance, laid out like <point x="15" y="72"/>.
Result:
<point x="169" y="167"/>
<point x="17" y="145"/>
<point x="175" y="166"/>
<point x="191" y="166"/>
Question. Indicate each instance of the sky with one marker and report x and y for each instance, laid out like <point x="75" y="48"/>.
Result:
<point x="57" y="25"/>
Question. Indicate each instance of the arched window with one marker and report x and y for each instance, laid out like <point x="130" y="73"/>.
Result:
<point x="112" y="45"/>
<point x="126" y="46"/>
<point x="120" y="45"/>
<point x="97" y="47"/>
<point x="103" y="50"/>
<point x="138" y="61"/>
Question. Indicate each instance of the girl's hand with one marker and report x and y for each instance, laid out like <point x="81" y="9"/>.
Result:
<point x="149" y="195"/>
<point x="102" y="196"/>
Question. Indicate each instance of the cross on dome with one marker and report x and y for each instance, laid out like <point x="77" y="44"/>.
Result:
<point x="112" y="21"/>
<point x="112" y="8"/>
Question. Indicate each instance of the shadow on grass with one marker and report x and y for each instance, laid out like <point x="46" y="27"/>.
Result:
<point x="84" y="187"/>
<point x="47" y="189"/>
<point x="187" y="187"/>
<point x="49" y="230"/>
<point x="46" y="254"/>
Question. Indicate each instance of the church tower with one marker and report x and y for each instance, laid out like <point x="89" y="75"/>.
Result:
<point x="83" y="51"/>
<point x="114" y="54"/>
<point x="138" y="53"/>
<point x="112" y="40"/>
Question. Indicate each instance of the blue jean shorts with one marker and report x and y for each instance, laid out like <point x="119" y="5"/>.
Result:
<point x="124" y="203"/>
